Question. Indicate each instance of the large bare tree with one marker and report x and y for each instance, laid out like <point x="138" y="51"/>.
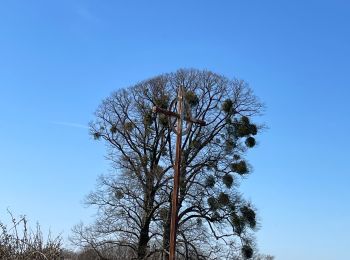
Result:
<point x="134" y="202"/>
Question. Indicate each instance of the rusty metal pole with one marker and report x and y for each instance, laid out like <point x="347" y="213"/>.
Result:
<point x="181" y="116"/>
<point x="175" y="195"/>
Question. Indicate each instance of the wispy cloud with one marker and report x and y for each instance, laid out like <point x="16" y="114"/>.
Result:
<point x="69" y="124"/>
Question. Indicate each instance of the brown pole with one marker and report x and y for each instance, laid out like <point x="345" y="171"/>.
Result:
<point x="177" y="165"/>
<point x="175" y="195"/>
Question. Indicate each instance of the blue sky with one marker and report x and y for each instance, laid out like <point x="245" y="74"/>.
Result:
<point x="59" y="59"/>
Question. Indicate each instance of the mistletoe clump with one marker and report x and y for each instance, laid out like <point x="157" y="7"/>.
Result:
<point x="210" y="181"/>
<point x="227" y="179"/>
<point x="247" y="251"/>
<point x="148" y="117"/>
<point x="97" y="135"/>
<point x="249" y="215"/>
<point x="113" y="129"/>
<point x="128" y="126"/>
<point x="240" y="167"/>
<point x="162" y="101"/>
<point x="223" y="199"/>
<point x="250" y="142"/>
<point x="227" y="106"/>
<point x="213" y="203"/>
<point x="191" y="98"/>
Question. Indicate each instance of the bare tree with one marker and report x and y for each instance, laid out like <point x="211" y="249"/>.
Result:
<point x="134" y="200"/>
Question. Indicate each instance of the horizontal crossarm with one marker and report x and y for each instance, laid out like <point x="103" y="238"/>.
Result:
<point x="171" y="113"/>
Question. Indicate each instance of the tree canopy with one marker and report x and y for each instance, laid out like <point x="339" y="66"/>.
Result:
<point x="134" y="201"/>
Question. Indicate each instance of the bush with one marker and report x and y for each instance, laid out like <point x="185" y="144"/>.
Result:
<point x="20" y="243"/>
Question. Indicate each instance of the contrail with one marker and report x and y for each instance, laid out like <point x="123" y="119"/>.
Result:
<point x="70" y="124"/>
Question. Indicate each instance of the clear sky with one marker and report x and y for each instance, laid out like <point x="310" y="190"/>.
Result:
<point x="59" y="59"/>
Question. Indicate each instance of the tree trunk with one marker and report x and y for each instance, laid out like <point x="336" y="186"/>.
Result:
<point x="144" y="232"/>
<point x="166" y="236"/>
<point x="143" y="241"/>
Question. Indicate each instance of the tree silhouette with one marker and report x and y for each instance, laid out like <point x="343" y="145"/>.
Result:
<point x="134" y="201"/>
